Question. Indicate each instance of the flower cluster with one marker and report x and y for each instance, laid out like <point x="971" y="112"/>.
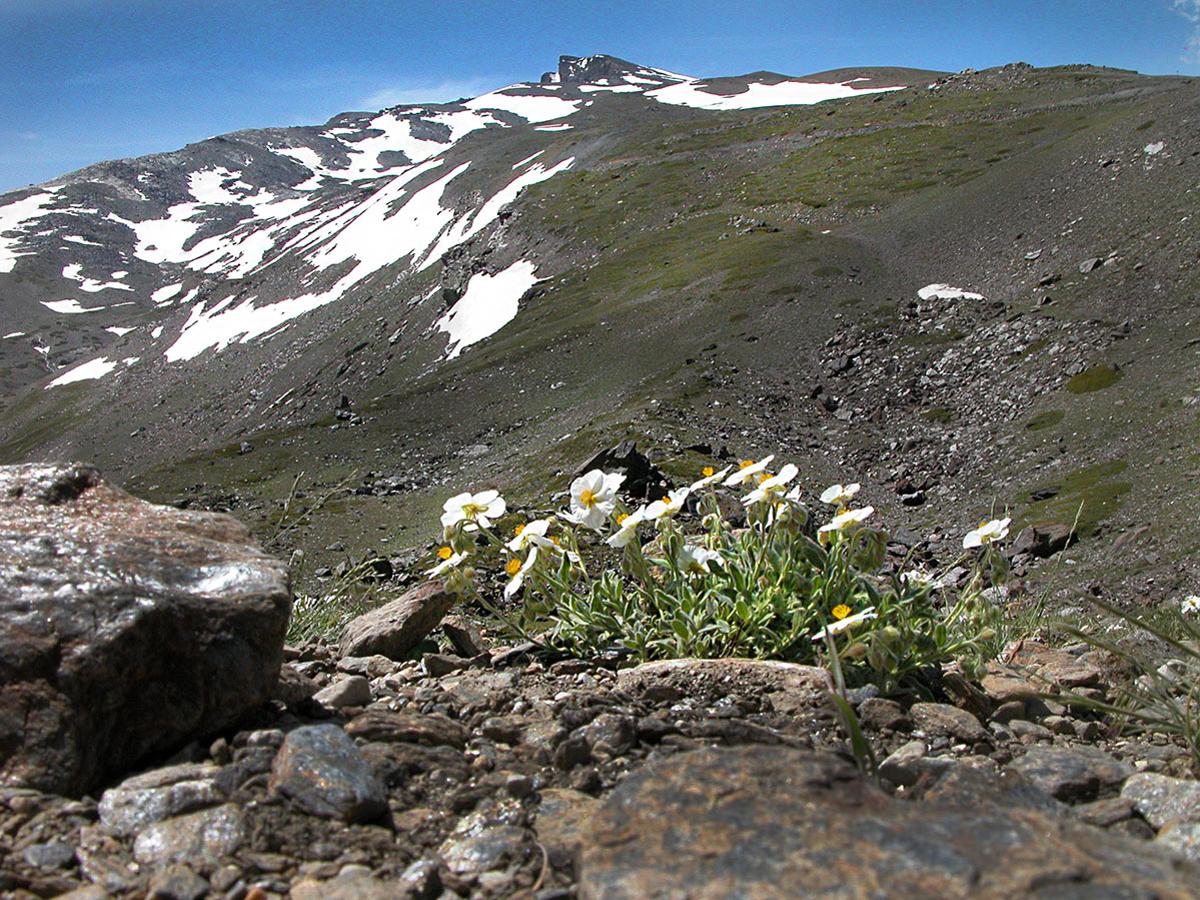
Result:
<point x="690" y="582"/>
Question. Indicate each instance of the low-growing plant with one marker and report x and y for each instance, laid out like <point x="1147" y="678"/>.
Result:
<point x="1162" y="698"/>
<point x="682" y="579"/>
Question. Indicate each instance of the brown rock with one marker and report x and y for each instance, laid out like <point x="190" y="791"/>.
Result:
<point x="126" y="629"/>
<point x="396" y="628"/>
<point x="562" y="818"/>
<point x="944" y="719"/>
<point x="386" y="726"/>
<point x="768" y="822"/>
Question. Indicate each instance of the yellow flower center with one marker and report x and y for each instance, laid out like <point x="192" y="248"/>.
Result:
<point x="555" y="541"/>
<point x="621" y="517"/>
<point x="762" y="476"/>
<point x="841" y="611"/>
<point x="587" y="498"/>
<point x="473" y="510"/>
<point x="512" y="567"/>
<point x="745" y="463"/>
<point x="518" y="530"/>
<point x="707" y="471"/>
<point x="445" y="553"/>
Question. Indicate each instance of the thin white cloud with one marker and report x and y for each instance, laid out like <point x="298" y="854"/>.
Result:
<point x="404" y="94"/>
<point x="1190" y="10"/>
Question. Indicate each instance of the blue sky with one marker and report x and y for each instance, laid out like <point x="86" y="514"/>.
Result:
<point x="85" y="80"/>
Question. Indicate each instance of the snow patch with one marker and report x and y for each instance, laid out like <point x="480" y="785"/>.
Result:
<point x="758" y="95"/>
<point x="69" y="306"/>
<point x="118" y="330"/>
<point x="88" y="371"/>
<point x="12" y="334"/>
<point x="532" y="108"/>
<point x="489" y="303"/>
<point x="91" y="285"/>
<point x="165" y="293"/>
<point x="14" y="216"/>
<point x="946" y="292"/>
<point x="560" y="127"/>
<point x="528" y="159"/>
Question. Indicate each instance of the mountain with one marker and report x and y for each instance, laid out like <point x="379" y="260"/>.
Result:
<point x="425" y="297"/>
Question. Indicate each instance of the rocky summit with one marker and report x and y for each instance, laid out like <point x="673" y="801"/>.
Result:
<point x="401" y="388"/>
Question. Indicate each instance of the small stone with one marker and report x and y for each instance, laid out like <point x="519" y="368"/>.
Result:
<point x="293" y="688"/>
<point x="1106" y="812"/>
<point x="1032" y="730"/>
<point x="1071" y="774"/>
<point x="197" y="838"/>
<point x="320" y="768"/>
<point x="478" y="846"/>
<point x="421" y="880"/>
<point x="352" y="691"/>
<point x="503" y="729"/>
<point x="943" y="719"/>
<point x="903" y="767"/>
<point x="1059" y="724"/>
<point x="1182" y="839"/>
<point x="439" y="664"/>
<point x="1160" y="799"/>
<point x="407" y="727"/>
<point x="1009" y="710"/>
<point x="142" y="800"/>
<point x="50" y="855"/>
<point x="463" y="637"/>
<point x="177" y="882"/>
<point x="614" y="733"/>
<point x="1088" y="731"/>
<point x="518" y="786"/>
<point x="1090" y="264"/>
<point x="574" y="751"/>
<point x="877" y="713"/>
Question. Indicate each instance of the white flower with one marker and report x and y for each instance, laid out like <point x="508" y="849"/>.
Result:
<point x="770" y="487"/>
<point x="668" y="505"/>
<point x="986" y="533"/>
<point x="527" y="534"/>
<point x="626" y="532"/>
<point x="748" y="469"/>
<point x="710" y="478"/>
<point x="518" y="579"/>
<point x="1190" y="605"/>
<point x="450" y="562"/>
<point x="476" y="510"/>
<point x="839" y="494"/>
<point x="845" y="624"/>
<point x="593" y="498"/>
<point x="695" y="560"/>
<point x="845" y="520"/>
<point x="921" y="579"/>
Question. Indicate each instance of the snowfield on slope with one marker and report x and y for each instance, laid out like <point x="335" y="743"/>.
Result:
<point x="489" y="303"/>
<point x="758" y="95"/>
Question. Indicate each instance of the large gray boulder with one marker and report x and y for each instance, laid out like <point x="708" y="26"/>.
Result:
<point x="768" y="822"/>
<point x="126" y="628"/>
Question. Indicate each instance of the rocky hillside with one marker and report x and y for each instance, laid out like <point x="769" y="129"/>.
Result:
<point x="966" y="291"/>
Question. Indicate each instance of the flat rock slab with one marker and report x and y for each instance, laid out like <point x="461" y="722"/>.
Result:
<point x="126" y="628"/>
<point x="765" y="822"/>
<point x="1162" y="799"/>
<point x="789" y="687"/>
<point x="396" y="628"/>
<point x="320" y="768"/>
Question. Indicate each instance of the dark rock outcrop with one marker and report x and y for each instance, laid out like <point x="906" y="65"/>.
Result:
<point x="126" y="628"/>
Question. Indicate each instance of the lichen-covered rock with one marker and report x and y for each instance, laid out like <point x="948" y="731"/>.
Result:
<point x="778" y="822"/>
<point x="126" y="628"/>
